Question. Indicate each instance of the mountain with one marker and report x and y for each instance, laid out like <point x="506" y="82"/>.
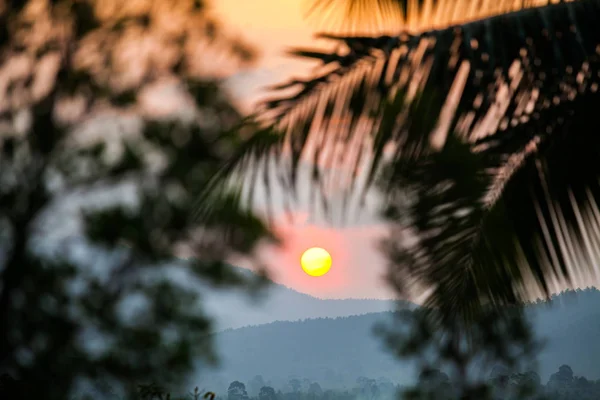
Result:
<point x="331" y="351"/>
<point x="235" y="309"/>
<point x="335" y="351"/>
<point x="571" y="325"/>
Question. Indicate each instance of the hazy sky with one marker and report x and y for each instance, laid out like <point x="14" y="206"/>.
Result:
<point x="274" y="26"/>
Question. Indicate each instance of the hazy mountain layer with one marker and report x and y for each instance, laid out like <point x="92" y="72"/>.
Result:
<point x="336" y="351"/>
<point x="234" y="309"/>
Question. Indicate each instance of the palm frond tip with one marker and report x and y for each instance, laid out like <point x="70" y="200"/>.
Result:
<point x="377" y="16"/>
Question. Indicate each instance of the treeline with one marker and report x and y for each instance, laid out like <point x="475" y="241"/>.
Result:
<point x="581" y="294"/>
<point x="502" y="385"/>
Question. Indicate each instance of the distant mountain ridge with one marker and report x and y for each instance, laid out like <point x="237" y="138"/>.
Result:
<point x="335" y="351"/>
<point x="233" y="309"/>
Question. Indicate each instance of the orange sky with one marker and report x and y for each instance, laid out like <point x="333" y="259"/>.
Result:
<point x="270" y="24"/>
<point x="274" y="26"/>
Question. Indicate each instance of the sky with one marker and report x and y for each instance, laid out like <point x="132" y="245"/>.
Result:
<point x="273" y="26"/>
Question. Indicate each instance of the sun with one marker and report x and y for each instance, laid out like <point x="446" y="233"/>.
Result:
<point x="316" y="261"/>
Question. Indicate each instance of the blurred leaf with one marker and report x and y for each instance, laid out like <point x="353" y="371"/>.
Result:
<point x="124" y="98"/>
<point x="85" y="18"/>
<point x="106" y="303"/>
<point x="129" y="161"/>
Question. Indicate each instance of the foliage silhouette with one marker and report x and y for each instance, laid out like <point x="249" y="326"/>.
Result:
<point x="466" y="349"/>
<point x="237" y="391"/>
<point x="434" y="384"/>
<point x="85" y="155"/>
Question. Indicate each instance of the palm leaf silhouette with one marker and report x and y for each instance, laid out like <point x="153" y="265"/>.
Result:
<point x="510" y="98"/>
<point x="375" y="16"/>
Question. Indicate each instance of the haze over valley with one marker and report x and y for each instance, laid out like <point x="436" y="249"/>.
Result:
<point x="289" y="334"/>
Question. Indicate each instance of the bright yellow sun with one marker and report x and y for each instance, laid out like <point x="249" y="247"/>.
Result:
<point x="316" y="261"/>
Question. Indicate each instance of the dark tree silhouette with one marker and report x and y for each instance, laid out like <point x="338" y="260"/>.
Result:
<point x="562" y="379"/>
<point x="294" y="384"/>
<point x="99" y="192"/>
<point x="464" y="348"/>
<point x="267" y="393"/>
<point x="315" y="389"/>
<point x="255" y="384"/>
<point x="237" y="391"/>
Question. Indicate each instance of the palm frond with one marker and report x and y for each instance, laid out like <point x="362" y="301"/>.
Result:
<point x="505" y="87"/>
<point x="237" y="178"/>
<point x="489" y="76"/>
<point x="391" y="16"/>
<point x="450" y="224"/>
<point x="487" y="229"/>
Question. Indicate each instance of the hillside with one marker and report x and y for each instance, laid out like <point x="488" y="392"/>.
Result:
<point x="335" y="351"/>
<point x="234" y="309"/>
<point x="332" y="351"/>
<point x="571" y="325"/>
